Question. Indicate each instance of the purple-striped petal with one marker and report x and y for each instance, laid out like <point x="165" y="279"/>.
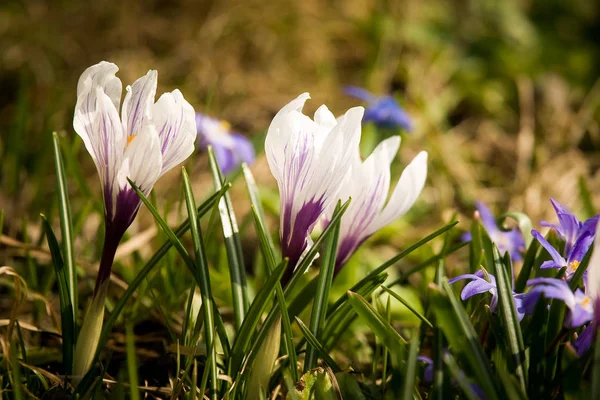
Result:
<point x="558" y="259"/>
<point x="137" y="105"/>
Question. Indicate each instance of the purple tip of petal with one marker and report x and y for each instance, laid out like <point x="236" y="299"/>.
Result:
<point x="360" y="93"/>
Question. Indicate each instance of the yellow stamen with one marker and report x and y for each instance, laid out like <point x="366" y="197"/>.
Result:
<point x="574" y="265"/>
<point x="586" y="301"/>
<point x="130" y="139"/>
<point x="225" y="125"/>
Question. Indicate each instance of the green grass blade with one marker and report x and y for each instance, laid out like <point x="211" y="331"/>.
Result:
<point x="439" y="345"/>
<point x="528" y="263"/>
<point x="66" y="225"/>
<point x="411" y="367"/>
<point x="314" y="342"/>
<point x="66" y="306"/>
<point x="244" y="336"/>
<point x="131" y="361"/>
<point x="255" y="199"/>
<point x="459" y="377"/>
<point x="510" y="321"/>
<point x="452" y="318"/>
<point x="524" y="222"/>
<point x="319" y="310"/>
<point x="233" y="245"/>
<point x="150" y="265"/>
<point x="381" y="328"/>
<point x="203" y="279"/>
<point x="403" y="254"/>
<point x="407" y="305"/>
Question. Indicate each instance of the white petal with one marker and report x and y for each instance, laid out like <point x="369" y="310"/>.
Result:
<point x="142" y="162"/>
<point x="100" y="76"/>
<point x="174" y="120"/>
<point x="406" y="192"/>
<point x="278" y="135"/>
<point x="138" y="102"/>
<point x="592" y="286"/>
<point x="108" y="140"/>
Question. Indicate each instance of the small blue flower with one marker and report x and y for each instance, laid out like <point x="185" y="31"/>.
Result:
<point x="569" y="227"/>
<point x="574" y="256"/>
<point x="507" y="241"/>
<point x="383" y="111"/>
<point x="479" y="285"/>
<point x="231" y="148"/>
<point x="579" y="304"/>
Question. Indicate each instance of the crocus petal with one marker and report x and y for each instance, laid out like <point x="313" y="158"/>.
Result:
<point x="584" y="341"/>
<point x="107" y="144"/>
<point x="100" y="76"/>
<point x="138" y="103"/>
<point x="558" y="259"/>
<point x="142" y="161"/>
<point x="406" y="192"/>
<point x="174" y="119"/>
<point x="476" y="286"/>
<point x="386" y="112"/>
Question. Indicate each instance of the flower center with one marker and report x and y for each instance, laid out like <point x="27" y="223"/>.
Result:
<point x="130" y="139"/>
<point x="225" y="125"/>
<point x="573" y="265"/>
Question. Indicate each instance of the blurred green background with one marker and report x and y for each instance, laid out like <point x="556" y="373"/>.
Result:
<point x="505" y="96"/>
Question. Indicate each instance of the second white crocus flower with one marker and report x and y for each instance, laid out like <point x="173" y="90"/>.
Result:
<point x="309" y="159"/>
<point x="368" y="184"/>
<point x="146" y="141"/>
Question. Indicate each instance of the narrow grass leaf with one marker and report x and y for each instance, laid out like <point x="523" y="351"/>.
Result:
<point x="131" y="361"/>
<point x="381" y="328"/>
<point x="528" y="264"/>
<point x="403" y="254"/>
<point x="66" y="225"/>
<point x="452" y="318"/>
<point x="524" y="222"/>
<point x="314" y="342"/>
<point x="320" y="302"/>
<point x="407" y="305"/>
<point x="244" y="336"/>
<point x="66" y="306"/>
<point x="203" y="279"/>
<point x="510" y="320"/>
<point x="233" y="245"/>
<point x="460" y="378"/>
<point x="411" y="367"/>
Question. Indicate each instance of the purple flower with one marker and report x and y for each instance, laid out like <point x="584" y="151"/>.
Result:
<point x="231" y="149"/>
<point x="507" y="241"/>
<point x="580" y="306"/>
<point x="574" y="256"/>
<point x="569" y="227"/>
<point x="368" y="184"/>
<point x="479" y="285"/>
<point x="309" y="159"/>
<point x="384" y="111"/>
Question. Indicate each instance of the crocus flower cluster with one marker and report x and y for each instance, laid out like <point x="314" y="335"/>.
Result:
<point x="231" y="148"/>
<point x="316" y="162"/>
<point x="383" y="111"/>
<point x="142" y="144"/>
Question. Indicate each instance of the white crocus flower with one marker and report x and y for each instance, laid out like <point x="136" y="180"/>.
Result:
<point x="309" y="159"/>
<point x="146" y="141"/>
<point x="368" y="184"/>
